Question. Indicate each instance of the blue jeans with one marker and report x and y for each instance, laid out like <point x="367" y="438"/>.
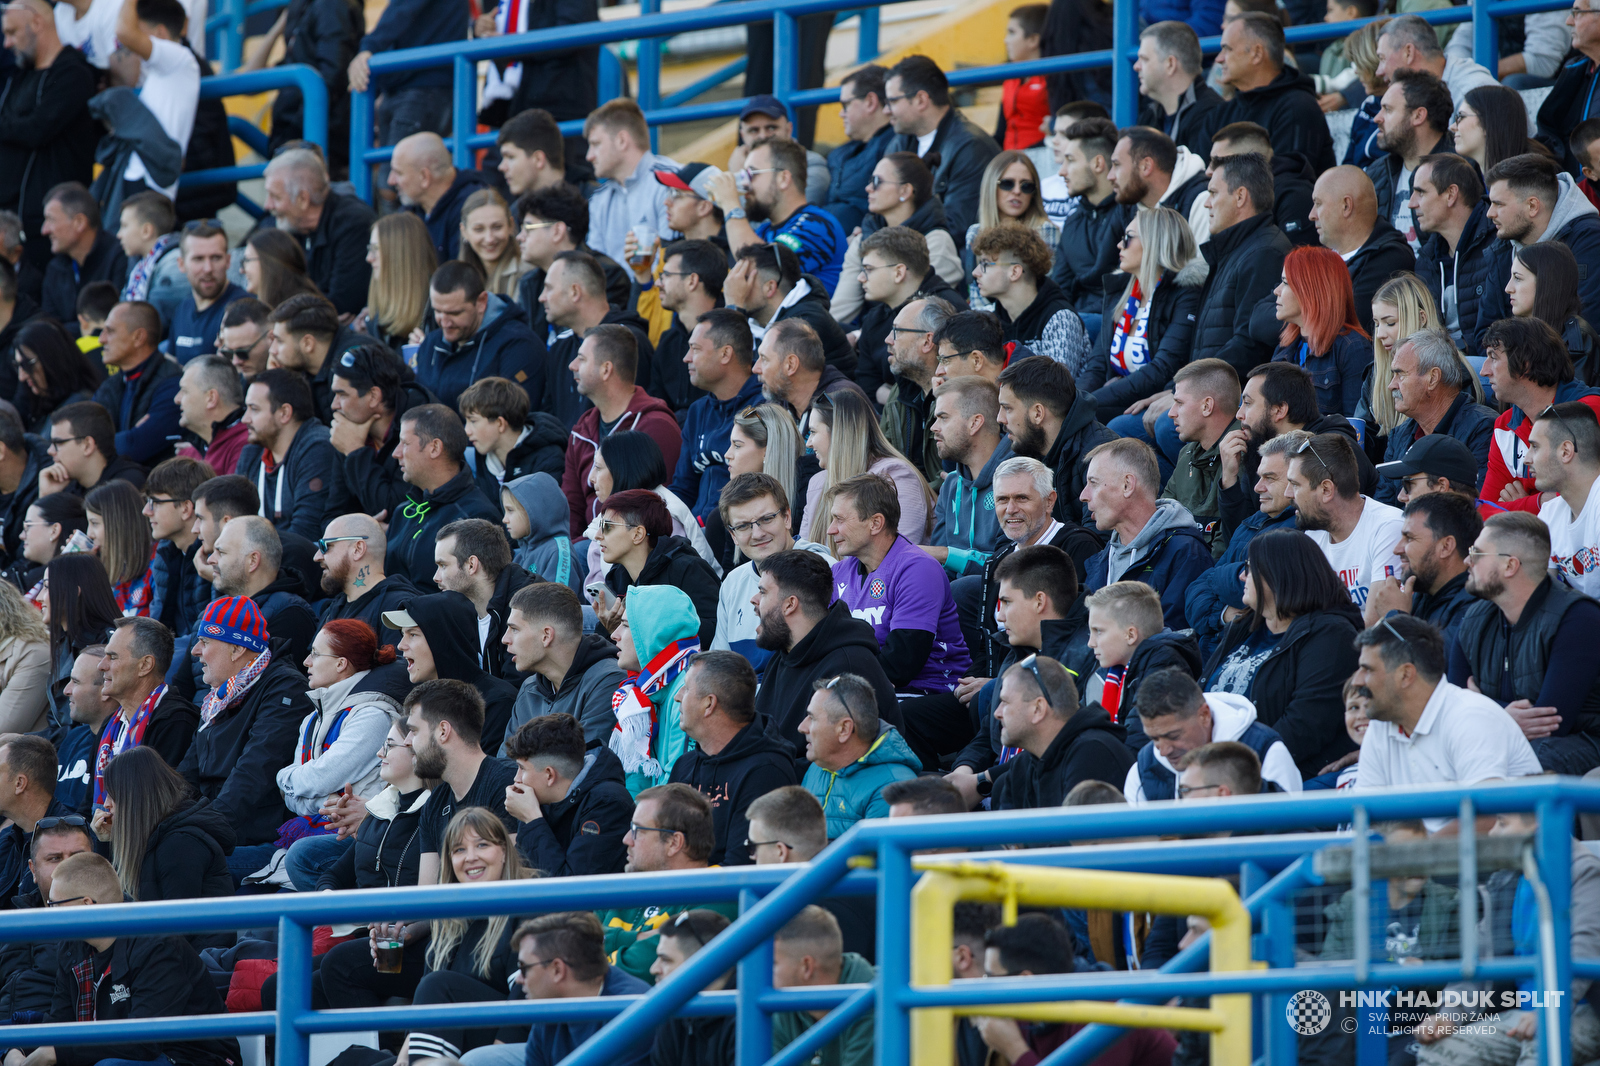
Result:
<point x="310" y="857"/>
<point x="1091" y="322"/>
<point x="1165" y="442"/>
<point x="248" y="858"/>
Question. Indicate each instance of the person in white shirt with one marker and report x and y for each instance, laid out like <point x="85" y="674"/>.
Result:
<point x="1426" y="731"/>
<point x="1355" y="532"/>
<point x="169" y="74"/>
<point x="1564" y="452"/>
<point x="90" y="26"/>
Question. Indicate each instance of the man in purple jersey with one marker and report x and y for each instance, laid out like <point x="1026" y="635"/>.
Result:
<point x="899" y="590"/>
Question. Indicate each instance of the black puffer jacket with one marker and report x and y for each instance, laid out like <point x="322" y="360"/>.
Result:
<point x="386" y="851"/>
<point x="1299" y="687"/>
<point x="1246" y="261"/>
<point x="1087" y="252"/>
<point x="673" y="561"/>
<point x="185" y="857"/>
<point x="1471" y="266"/>
<point x="1090" y="747"/>
<point x="1292" y="179"/>
<point x="1169" y="332"/>
<point x="582" y="833"/>
<point x="1287" y="107"/>
<point x="1384" y="254"/>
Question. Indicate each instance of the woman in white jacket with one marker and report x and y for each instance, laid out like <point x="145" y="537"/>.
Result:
<point x="338" y="744"/>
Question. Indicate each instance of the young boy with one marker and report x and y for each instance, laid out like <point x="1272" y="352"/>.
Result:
<point x="1024" y="102"/>
<point x="1335" y="74"/>
<point x="95" y="302"/>
<point x="1342" y="774"/>
<point x="504" y="446"/>
<point x="148" y="234"/>
<point x="1130" y="642"/>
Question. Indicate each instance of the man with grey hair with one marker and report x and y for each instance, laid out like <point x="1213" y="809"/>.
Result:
<point x="1270" y="93"/>
<point x="1432" y="387"/>
<point x="210" y="402"/>
<point x="966" y="431"/>
<point x="908" y="399"/>
<point x="852" y="754"/>
<point x="332" y="227"/>
<point x="428" y="182"/>
<point x="1181" y="104"/>
<point x="247" y="558"/>
<point x="1409" y="43"/>
<point x="133" y="669"/>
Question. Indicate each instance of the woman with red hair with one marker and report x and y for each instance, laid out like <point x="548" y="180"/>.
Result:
<point x="1321" y="332"/>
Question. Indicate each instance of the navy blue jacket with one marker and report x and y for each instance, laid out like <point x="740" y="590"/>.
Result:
<point x="849" y="169"/>
<point x="582" y="833"/>
<point x="178" y="595"/>
<point x="1337" y="373"/>
<point x="294" y="494"/>
<point x="444" y="221"/>
<point x="154" y="393"/>
<point x="1087" y="253"/>
<point x="413" y="526"/>
<point x="1582" y="235"/>
<point x="1472" y="265"/>
<point x="503" y="346"/>
<point x="412" y="24"/>
<point x="1221" y="586"/>
<point x="1159" y="783"/>
<point x="1168" y="566"/>
<point x="64" y="279"/>
<point x="702" y="464"/>
<point x="1470" y="423"/>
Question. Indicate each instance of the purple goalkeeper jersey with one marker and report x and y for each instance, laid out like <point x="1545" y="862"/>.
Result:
<point x="908" y="590"/>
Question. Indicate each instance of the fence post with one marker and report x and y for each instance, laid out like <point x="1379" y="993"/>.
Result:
<point x="613" y="78"/>
<point x="1553" y="850"/>
<point x="893" y="1024"/>
<point x="360" y="141"/>
<point x="1124" y="40"/>
<point x="464" y="111"/>
<point x="867" y="35"/>
<point x="1282" y="1044"/>
<point x="650" y="71"/>
<point x="753" y="1025"/>
<point x="1485" y="36"/>
<point x="785" y="59"/>
<point x="233" y="36"/>
<point x="294" y="992"/>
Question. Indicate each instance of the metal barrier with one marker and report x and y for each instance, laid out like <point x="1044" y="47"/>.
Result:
<point x="313" y="93"/>
<point x="1270" y="868"/>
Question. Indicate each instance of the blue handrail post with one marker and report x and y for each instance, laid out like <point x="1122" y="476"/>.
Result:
<point x="1277" y="929"/>
<point x="1485" y="36"/>
<point x="867" y="35"/>
<point x="1553" y="849"/>
<point x="650" y="71"/>
<point x="612" y="77"/>
<point x="360" y="141"/>
<point x="464" y="111"/>
<point x="1124" y="41"/>
<point x="892" y="1027"/>
<point x="753" y="1025"/>
<point x="233" y="36"/>
<point x="294" y="992"/>
<point x="785" y="59"/>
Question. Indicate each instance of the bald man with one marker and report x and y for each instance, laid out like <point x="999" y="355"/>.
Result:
<point x="143" y="395"/>
<point x="351" y="554"/>
<point x="427" y="181"/>
<point x="1344" y="208"/>
<point x="248" y="561"/>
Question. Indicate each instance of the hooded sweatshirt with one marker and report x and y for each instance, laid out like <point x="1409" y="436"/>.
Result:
<point x="756" y="761"/>
<point x="582" y="832"/>
<point x="853" y="1047"/>
<point x="449" y="623"/>
<point x="1049" y="326"/>
<point x="855" y="792"/>
<point x="184" y="857"/>
<point x="1168" y="553"/>
<point x="502" y="346"/>
<point x="414" y="525"/>
<point x="965" y="520"/>
<point x="546" y="551"/>
<point x="645" y="414"/>
<point x="673" y="561"/>
<point x="736" y="618"/>
<point x="585" y="692"/>
<point x="540" y="448"/>
<point x="338" y="745"/>
<point x="1573" y="222"/>
<point x="659" y="617"/>
<point x="1232" y="718"/>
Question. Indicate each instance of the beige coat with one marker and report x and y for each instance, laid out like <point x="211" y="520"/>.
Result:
<point x="24" y="685"/>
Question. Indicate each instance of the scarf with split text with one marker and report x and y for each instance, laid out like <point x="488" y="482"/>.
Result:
<point x="118" y="736"/>
<point x="1130" y="346"/>
<point x="233" y="689"/>
<point x="634" y="738"/>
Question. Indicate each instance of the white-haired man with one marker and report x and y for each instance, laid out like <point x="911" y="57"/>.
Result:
<point x="333" y="228"/>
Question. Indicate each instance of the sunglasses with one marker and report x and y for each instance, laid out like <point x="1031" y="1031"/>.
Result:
<point x="1015" y="185"/>
<point x="1031" y="664"/>
<point x="322" y="545"/>
<point x="76" y="821"/>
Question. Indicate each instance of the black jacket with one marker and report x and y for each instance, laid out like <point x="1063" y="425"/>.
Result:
<point x="384" y="854"/>
<point x="564" y="83"/>
<point x="669" y="378"/>
<point x="149" y="977"/>
<point x="1470" y="423"/>
<point x="64" y="279"/>
<point x="1292" y="179"/>
<point x="1169" y="331"/>
<point x="1087" y="252"/>
<point x="1061" y="639"/>
<point x="1446" y="607"/>
<point x="1192" y="125"/>
<point x="47" y="137"/>
<point x="294" y="493"/>
<point x="1470" y="267"/>
<point x="838" y="644"/>
<point x="449" y="623"/>
<point x="1287" y="107"/>
<point x="673" y="561"/>
<point x="336" y="251"/>
<point x="14" y="506"/>
<point x="1158" y="651"/>
<point x="814" y="309"/>
<point x="444" y="221"/>
<point x="234" y="761"/>
<point x="290" y="619"/>
<point x="582" y="833"/>
<point x="414" y="525"/>
<point x="1385" y="174"/>
<point x="696" y="1041"/>
<point x="1246" y="262"/>
<point x="325" y="35"/>
<point x="1568" y="104"/>
<point x="1299" y="687"/>
<point x="185" y="857"/>
<point x="28" y="968"/>
<point x="1381" y="256"/>
<point x="543" y="449"/>
<point x="368" y="480"/>
<point x="386" y="595"/>
<point x="1081" y="433"/>
<point x="756" y="761"/>
<point x="964" y="151"/>
<point x="872" y="346"/>
<point x="556" y="392"/>
<point x="619" y="288"/>
<point x="156" y="376"/>
<point x="511" y="580"/>
<point x="1090" y="747"/>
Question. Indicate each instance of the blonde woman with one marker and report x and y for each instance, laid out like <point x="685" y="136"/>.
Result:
<point x="1361" y="48"/>
<point x="764" y="440"/>
<point x="488" y="242"/>
<point x="1149" y="311"/>
<point x="402" y="258"/>
<point x="843" y="433"/>
<point x="1401" y="307"/>
<point x="24" y="664"/>
<point x="1009" y="193"/>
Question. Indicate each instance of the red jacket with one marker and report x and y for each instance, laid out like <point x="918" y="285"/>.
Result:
<point x="1142" y="1047"/>
<point x="1508" y="455"/>
<point x="646" y="414"/>
<point x="223" y="451"/>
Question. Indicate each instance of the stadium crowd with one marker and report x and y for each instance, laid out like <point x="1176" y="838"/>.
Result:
<point x="651" y="516"/>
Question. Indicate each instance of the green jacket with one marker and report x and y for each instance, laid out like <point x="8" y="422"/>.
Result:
<point x="625" y="927"/>
<point x="1439" y="932"/>
<point x="856" y="792"/>
<point x="854" y="1048"/>
<point x="1195" y="482"/>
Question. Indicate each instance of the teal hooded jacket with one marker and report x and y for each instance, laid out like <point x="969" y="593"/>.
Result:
<point x="856" y="791"/>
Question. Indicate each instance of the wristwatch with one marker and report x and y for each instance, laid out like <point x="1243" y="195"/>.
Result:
<point x="985" y="786"/>
<point x="737" y="212"/>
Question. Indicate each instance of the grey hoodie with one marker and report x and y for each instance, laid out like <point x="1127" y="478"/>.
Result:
<point x="1170" y="514"/>
<point x="1570" y="205"/>
<point x="547" y="551"/>
<point x="585" y="692"/>
<point x="966" y="518"/>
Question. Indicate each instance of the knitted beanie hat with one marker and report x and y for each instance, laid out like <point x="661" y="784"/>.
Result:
<point x="235" y="620"/>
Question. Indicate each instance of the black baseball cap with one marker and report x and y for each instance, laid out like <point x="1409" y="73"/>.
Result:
<point x="1436" y="455"/>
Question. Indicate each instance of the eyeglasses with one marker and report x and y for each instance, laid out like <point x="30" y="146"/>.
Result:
<point x="1014" y="185"/>
<point x="752" y="846"/>
<point x="529" y="225"/>
<point x="676" y="273"/>
<point x="157" y="501"/>
<point x="897" y="330"/>
<point x="740" y="528"/>
<point x="987" y="264"/>
<point x="63" y="902"/>
<point x="322" y="545"/>
<point x="749" y="172"/>
<point x="1031" y="664"/>
<point x="26" y="361"/>
<point x="1579" y="12"/>
<point x="1185" y="791"/>
<point x="390" y="745"/>
<point x="1552" y="413"/>
<point x="76" y="821"/>
<point x="943" y="358"/>
<point x="1392" y="631"/>
<point x="892" y="100"/>
<point x="1462" y="116"/>
<point x="315" y="654"/>
<point x="56" y="442"/>
<point x="686" y="921"/>
<point x="865" y="269"/>
<point x="840" y="697"/>
<point x="637" y="829"/>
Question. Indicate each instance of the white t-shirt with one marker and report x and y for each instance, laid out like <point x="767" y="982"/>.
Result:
<point x="1367" y="554"/>
<point x="169" y="86"/>
<point x="1404" y="223"/>
<point x="95" y="35"/>
<point x="1575" y="542"/>
<point x="1462" y="738"/>
<point x="925" y="141"/>
<point x="483" y="639"/>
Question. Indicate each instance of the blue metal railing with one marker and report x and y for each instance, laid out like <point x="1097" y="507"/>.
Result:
<point x="313" y="92"/>
<point x="770" y="896"/>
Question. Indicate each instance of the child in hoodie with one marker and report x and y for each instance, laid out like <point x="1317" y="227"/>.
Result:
<point x="1130" y="641"/>
<point x="658" y="637"/>
<point x="536" y="522"/>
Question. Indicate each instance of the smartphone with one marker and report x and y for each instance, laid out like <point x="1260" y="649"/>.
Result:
<point x="598" y="593"/>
